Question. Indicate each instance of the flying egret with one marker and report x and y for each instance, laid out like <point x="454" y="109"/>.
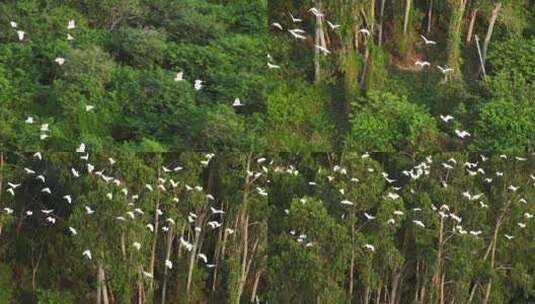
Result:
<point x="87" y="254"/>
<point x="60" y="60"/>
<point x="446" y="118"/>
<point x="277" y="25"/>
<point x="462" y="134"/>
<point x="168" y="264"/>
<point x="370" y="247"/>
<point x="179" y="77"/>
<point x="29" y="120"/>
<point x="71" y="25"/>
<point x="295" y="20"/>
<point x="332" y="25"/>
<point x="198" y="85"/>
<point x="237" y="103"/>
<point x="427" y="41"/>
<point x="73" y="231"/>
<point x="21" y="34"/>
<point x="419" y="223"/>
<point x="13" y="24"/>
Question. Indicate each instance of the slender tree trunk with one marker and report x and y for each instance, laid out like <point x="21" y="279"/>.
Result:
<point x="123" y="245"/>
<point x="492" y="259"/>
<point x="436" y="277"/>
<point x="395" y="284"/>
<point x="243" y="276"/>
<point x="105" y="299"/>
<point x="490" y="29"/>
<point x="99" y="284"/>
<point x="429" y="16"/>
<point x="155" y="236"/>
<point x="381" y="22"/>
<point x="255" y="284"/>
<point x="406" y="18"/>
<point x="317" y="53"/>
<point x="34" y="271"/>
<point x="1" y="181"/>
<point x="192" y="260"/>
<point x="473" y="17"/>
<point x="170" y="239"/>
<point x="367" y="295"/>
<point x="454" y="39"/>
<point x="352" y="265"/>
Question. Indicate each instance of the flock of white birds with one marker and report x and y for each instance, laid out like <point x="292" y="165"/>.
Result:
<point x="134" y="211"/>
<point x="300" y="34"/>
<point x="423" y="170"/>
<point x="22" y="35"/>
<point x="337" y="172"/>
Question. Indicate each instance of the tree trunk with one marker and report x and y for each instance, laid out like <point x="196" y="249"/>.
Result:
<point x="429" y="16"/>
<point x="406" y="18"/>
<point x="352" y="265"/>
<point x="99" y="284"/>
<point x="437" y="276"/>
<point x="192" y="260"/>
<point x="381" y="22"/>
<point x="473" y="17"/>
<point x="395" y="284"/>
<point x="155" y="236"/>
<point x="255" y="284"/>
<point x="170" y="239"/>
<point x="492" y="258"/>
<point x="1" y="181"/>
<point x="123" y="245"/>
<point x="454" y="39"/>
<point x="490" y="29"/>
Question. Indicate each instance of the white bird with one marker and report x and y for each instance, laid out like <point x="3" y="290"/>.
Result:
<point x="214" y="224"/>
<point x="88" y="210"/>
<point x="323" y="49"/>
<point x="29" y="120"/>
<point x="186" y="244"/>
<point x="73" y="231"/>
<point x="12" y="185"/>
<point x="427" y="41"/>
<point x="332" y="25"/>
<point x="168" y="264"/>
<point x="10" y="190"/>
<point x="38" y="155"/>
<point x="137" y="245"/>
<point x="391" y="221"/>
<point x="60" y="60"/>
<point x="112" y="161"/>
<point x="316" y="12"/>
<point x="475" y="233"/>
<point x="297" y="35"/>
<point x="370" y="247"/>
<point x="89" y="108"/>
<point x="47" y="190"/>
<point x="47" y="211"/>
<point x="8" y="210"/>
<point x="44" y="128"/>
<point x="513" y="188"/>
<point x="50" y="220"/>
<point x="70" y="37"/>
<point x="398" y="212"/>
<point x="295" y="20"/>
<point x="13" y="24"/>
<point x="509" y="237"/>
<point x="21" y="34"/>
<point x="462" y="134"/>
<point x="446" y="118"/>
<point x="179" y="77"/>
<point x="273" y="66"/>
<point x="75" y="173"/>
<point x="521" y="225"/>
<point x="229" y="231"/>
<point x="422" y="64"/>
<point x="71" y="25"/>
<point x="528" y="215"/>
<point x="445" y="69"/>
<point x="237" y="103"/>
<point x="203" y="257"/>
<point x="87" y="254"/>
<point x="29" y="212"/>
<point x="148" y="274"/>
<point x="346" y="202"/>
<point x="150" y="227"/>
<point x="365" y="31"/>
<point x="198" y="85"/>
<point x="216" y="211"/>
<point x="43" y="136"/>
<point x="368" y="216"/>
<point x="277" y="25"/>
<point x="419" y="223"/>
<point x="393" y="196"/>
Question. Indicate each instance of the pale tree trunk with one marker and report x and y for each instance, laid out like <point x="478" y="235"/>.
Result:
<point x="319" y="40"/>
<point x="35" y="267"/>
<point x="123" y="245"/>
<point x="454" y="37"/>
<point x="490" y="29"/>
<point x="396" y="278"/>
<point x="192" y="260"/>
<point x="492" y="259"/>
<point x="255" y="284"/>
<point x="429" y="16"/>
<point x="352" y="265"/>
<point x="170" y="239"/>
<point x="407" y="15"/>
<point x="438" y="273"/>
<point x="473" y="17"/>
<point x="366" y="295"/>
<point x="155" y="235"/>
<point x="102" y="294"/>
<point x="381" y="22"/>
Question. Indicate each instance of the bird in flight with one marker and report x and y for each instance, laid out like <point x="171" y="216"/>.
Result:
<point x="21" y="34"/>
<point x="446" y="118"/>
<point x="422" y="64"/>
<point x="332" y="25"/>
<point x="462" y="134"/>
<point x="237" y="103"/>
<point x="277" y="25"/>
<point x="295" y="20"/>
<point x="427" y="41"/>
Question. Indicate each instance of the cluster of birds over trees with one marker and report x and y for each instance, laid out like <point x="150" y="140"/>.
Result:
<point x="420" y="171"/>
<point x="71" y="26"/>
<point x="300" y="34"/>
